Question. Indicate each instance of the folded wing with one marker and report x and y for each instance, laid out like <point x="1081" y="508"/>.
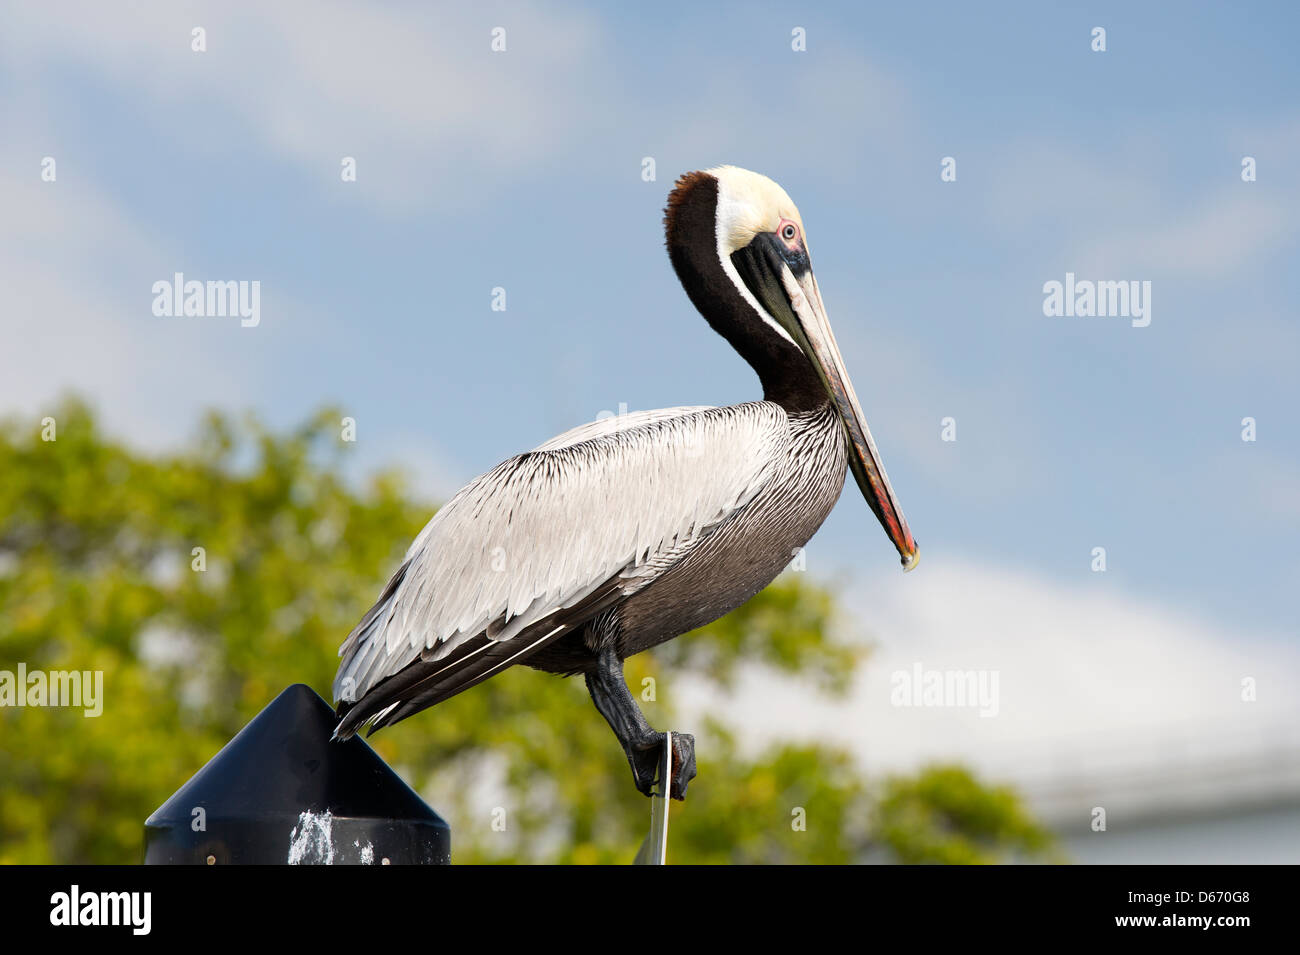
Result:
<point x="543" y="542"/>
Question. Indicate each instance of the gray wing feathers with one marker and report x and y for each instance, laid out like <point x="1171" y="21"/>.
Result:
<point x="544" y="530"/>
<point x="619" y="422"/>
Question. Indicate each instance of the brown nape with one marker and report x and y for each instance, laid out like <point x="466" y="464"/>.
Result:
<point x="690" y="229"/>
<point x="682" y="190"/>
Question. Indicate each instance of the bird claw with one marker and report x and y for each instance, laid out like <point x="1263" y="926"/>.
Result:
<point x="683" y="764"/>
<point x="647" y="763"/>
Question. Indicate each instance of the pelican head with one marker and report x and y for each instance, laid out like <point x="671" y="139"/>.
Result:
<point x="738" y="245"/>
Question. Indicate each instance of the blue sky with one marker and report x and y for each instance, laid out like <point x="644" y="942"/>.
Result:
<point x="522" y="170"/>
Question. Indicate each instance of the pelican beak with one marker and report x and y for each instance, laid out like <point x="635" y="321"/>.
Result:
<point x="792" y="296"/>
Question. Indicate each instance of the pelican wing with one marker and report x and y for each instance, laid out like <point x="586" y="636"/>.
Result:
<point x="545" y="541"/>
<point x="615" y="423"/>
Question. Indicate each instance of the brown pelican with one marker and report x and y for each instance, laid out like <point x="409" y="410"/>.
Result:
<point x="624" y="533"/>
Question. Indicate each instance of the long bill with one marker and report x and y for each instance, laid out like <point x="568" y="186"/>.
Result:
<point x="812" y="331"/>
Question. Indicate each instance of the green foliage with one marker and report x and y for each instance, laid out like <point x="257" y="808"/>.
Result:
<point x="97" y="572"/>
<point x="945" y="816"/>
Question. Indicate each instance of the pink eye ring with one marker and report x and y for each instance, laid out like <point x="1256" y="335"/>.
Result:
<point x="787" y="230"/>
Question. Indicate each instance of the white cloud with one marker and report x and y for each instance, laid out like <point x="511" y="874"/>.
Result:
<point x="1088" y="677"/>
<point x="1234" y="226"/>
<point x="1121" y="213"/>
<point x="414" y="93"/>
<point x="75" y="320"/>
<point x="77" y="271"/>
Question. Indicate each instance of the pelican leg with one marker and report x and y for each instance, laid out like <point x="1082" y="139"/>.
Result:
<point x="643" y="745"/>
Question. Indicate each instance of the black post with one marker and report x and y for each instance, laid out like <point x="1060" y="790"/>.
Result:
<point x="281" y="793"/>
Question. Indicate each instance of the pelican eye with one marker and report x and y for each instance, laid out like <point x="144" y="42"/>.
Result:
<point x="788" y="232"/>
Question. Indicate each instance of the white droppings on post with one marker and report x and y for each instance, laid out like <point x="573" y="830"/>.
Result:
<point x="367" y="852"/>
<point x="312" y="840"/>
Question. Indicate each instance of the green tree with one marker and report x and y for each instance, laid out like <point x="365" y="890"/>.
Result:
<point x="203" y="582"/>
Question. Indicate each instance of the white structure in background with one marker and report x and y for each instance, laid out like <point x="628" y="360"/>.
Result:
<point x="1179" y="800"/>
<point x="1104" y="699"/>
